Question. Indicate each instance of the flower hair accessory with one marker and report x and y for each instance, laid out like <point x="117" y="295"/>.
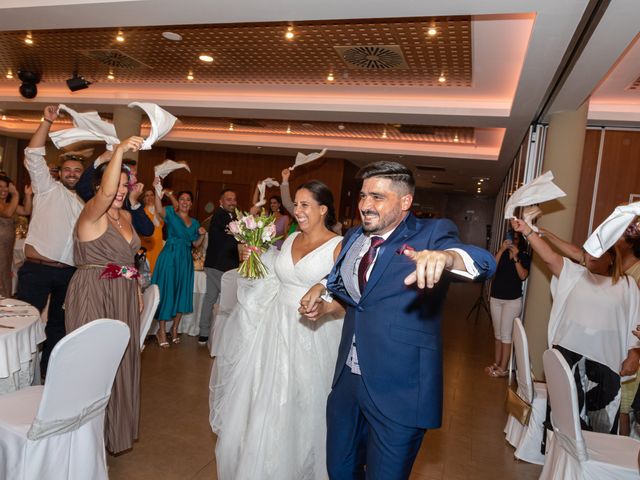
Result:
<point x="113" y="270"/>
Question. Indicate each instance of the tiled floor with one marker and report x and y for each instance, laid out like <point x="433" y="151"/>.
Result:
<point x="176" y="441"/>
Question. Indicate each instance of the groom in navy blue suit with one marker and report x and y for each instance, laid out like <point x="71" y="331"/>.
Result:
<point x="387" y="388"/>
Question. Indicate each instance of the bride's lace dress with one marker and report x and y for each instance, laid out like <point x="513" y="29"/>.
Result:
<point x="273" y="372"/>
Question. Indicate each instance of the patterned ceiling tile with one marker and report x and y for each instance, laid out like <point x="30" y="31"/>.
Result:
<point x="250" y="54"/>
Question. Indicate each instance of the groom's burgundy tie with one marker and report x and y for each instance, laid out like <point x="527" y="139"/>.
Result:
<point x="367" y="260"/>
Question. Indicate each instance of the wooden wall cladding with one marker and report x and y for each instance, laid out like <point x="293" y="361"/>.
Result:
<point x="585" y="190"/>
<point x="237" y="169"/>
<point x="619" y="177"/>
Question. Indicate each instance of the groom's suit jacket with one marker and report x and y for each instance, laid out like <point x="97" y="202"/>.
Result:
<point x="397" y="327"/>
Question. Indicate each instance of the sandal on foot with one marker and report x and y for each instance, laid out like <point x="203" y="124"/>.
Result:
<point x="497" y="373"/>
<point x="175" y="338"/>
<point x="490" y="368"/>
<point x="162" y="344"/>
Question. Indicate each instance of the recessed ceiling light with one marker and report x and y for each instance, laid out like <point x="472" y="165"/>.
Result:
<point x="174" y="37"/>
<point x="384" y="133"/>
<point x="120" y="37"/>
<point x="432" y="32"/>
<point x="9" y="74"/>
<point x="288" y="128"/>
<point x="306" y="125"/>
<point x="231" y="126"/>
<point x="330" y="77"/>
<point x="110" y="76"/>
<point x="206" y="58"/>
<point x="442" y="79"/>
<point x="341" y="127"/>
<point x="289" y="35"/>
<point x="28" y="39"/>
<point x="190" y="76"/>
<point x="456" y="139"/>
<point x="4" y="117"/>
<point x="42" y="119"/>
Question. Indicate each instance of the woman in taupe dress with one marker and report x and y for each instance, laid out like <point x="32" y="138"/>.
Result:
<point x="9" y="208"/>
<point x="104" y="286"/>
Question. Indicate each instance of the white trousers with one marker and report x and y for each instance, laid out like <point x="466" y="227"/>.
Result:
<point x="503" y="312"/>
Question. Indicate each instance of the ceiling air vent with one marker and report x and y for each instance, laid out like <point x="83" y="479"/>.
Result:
<point x="446" y="184"/>
<point x="247" y="122"/>
<point x="416" y="129"/>
<point x="429" y="168"/>
<point x="372" y="57"/>
<point x="114" y="58"/>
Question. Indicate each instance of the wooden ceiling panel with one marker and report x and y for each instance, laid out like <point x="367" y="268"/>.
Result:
<point x="250" y="54"/>
<point x="361" y="131"/>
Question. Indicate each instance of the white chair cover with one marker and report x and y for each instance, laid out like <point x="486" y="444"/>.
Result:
<point x="572" y="453"/>
<point x="57" y="431"/>
<point x="228" y="300"/>
<point x="151" y="299"/>
<point x="527" y="439"/>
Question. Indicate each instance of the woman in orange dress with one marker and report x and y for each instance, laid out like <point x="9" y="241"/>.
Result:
<point x="154" y="243"/>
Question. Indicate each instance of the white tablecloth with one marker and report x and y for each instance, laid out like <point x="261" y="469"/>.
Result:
<point x="190" y="322"/>
<point x="18" y="345"/>
<point x="18" y="260"/>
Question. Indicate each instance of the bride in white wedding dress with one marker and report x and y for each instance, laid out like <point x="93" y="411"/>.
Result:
<point x="274" y="367"/>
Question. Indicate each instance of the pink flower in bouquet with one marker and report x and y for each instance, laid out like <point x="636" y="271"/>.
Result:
<point x="269" y="232"/>
<point x="234" y="227"/>
<point x="250" y="222"/>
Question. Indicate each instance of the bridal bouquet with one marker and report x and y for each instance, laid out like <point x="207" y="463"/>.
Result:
<point x="258" y="233"/>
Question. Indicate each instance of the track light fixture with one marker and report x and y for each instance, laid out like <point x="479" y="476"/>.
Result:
<point x="77" y="82"/>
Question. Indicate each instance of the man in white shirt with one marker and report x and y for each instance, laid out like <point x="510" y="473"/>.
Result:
<point x="49" y="264"/>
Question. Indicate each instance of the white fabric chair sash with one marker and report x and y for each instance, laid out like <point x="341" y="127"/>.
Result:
<point x="574" y="447"/>
<point x="43" y="429"/>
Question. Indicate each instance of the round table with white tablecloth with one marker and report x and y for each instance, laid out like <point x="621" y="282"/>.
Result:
<point x="20" y="333"/>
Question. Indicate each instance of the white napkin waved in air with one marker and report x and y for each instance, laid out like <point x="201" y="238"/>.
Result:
<point x="301" y="158"/>
<point x="262" y="188"/>
<point x="90" y="127"/>
<point x="161" y="122"/>
<point x="165" y="168"/>
<point x="609" y="231"/>
<point x="87" y="126"/>
<point x="529" y="214"/>
<point x="540" y="189"/>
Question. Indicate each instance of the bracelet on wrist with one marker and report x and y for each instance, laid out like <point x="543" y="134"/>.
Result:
<point x="527" y="235"/>
<point x="47" y="120"/>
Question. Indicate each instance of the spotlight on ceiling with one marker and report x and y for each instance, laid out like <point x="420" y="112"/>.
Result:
<point x="29" y="80"/>
<point x="76" y="83"/>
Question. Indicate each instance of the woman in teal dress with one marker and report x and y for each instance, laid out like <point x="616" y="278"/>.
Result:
<point x="173" y="272"/>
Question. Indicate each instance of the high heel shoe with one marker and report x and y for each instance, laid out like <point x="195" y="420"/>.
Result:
<point x="162" y="344"/>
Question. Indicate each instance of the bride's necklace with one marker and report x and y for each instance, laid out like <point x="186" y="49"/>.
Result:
<point x="117" y="220"/>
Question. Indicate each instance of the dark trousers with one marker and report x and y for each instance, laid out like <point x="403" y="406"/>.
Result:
<point x="36" y="283"/>
<point x="358" y="434"/>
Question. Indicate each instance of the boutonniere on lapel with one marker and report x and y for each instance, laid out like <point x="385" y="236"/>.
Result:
<point x="405" y="248"/>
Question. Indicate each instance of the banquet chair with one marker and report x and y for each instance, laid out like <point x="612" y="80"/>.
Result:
<point x="151" y="299"/>
<point x="571" y="452"/>
<point x="57" y="431"/>
<point x="526" y="439"/>
<point x="228" y="300"/>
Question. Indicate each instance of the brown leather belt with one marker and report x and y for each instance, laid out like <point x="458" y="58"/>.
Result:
<point x="48" y="263"/>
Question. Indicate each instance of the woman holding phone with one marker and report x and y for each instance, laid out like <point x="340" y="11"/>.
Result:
<point x="506" y="298"/>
